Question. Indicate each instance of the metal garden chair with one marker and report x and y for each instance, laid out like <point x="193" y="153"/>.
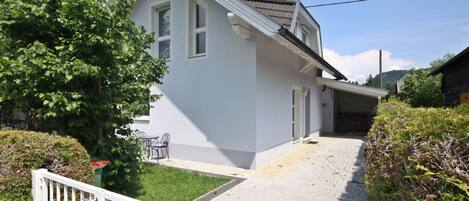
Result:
<point x="161" y="146"/>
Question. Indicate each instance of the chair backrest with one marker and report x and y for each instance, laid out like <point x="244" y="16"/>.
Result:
<point x="165" y="139"/>
<point x="140" y="134"/>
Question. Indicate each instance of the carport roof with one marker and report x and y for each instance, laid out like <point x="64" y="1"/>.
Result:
<point x="352" y="88"/>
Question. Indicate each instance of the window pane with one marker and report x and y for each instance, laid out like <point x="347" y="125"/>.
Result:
<point x="163" y="22"/>
<point x="200" y="43"/>
<point x="200" y="16"/>
<point x="163" y="49"/>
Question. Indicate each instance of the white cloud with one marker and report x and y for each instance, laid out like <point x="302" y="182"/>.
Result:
<point x="358" y="67"/>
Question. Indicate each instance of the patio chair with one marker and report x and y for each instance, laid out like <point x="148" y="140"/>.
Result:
<point x="162" y="145"/>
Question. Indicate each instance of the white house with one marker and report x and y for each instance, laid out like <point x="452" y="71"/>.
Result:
<point x="245" y="78"/>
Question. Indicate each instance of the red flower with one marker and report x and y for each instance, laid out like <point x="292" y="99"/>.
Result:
<point x="99" y="164"/>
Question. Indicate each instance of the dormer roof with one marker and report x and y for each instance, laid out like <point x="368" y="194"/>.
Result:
<point x="281" y="11"/>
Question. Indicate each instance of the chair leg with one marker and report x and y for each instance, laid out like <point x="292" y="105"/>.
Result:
<point x="150" y="154"/>
<point x="157" y="154"/>
<point x="167" y="151"/>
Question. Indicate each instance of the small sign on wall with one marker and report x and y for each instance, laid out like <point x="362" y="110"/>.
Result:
<point x="464" y="98"/>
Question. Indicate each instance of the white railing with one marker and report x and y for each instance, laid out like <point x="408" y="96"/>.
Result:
<point x="51" y="187"/>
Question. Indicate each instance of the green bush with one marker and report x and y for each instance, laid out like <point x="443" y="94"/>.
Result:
<point x="418" y="153"/>
<point x="122" y="173"/>
<point x="422" y="90"/>
<point x="21" y="152"/>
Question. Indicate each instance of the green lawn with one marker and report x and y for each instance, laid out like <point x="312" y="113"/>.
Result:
<point x="163" y="183"/>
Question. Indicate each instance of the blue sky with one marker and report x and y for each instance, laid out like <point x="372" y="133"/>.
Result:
<point x="411" y="32"/>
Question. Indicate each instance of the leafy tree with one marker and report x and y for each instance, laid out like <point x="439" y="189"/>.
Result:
<point x="437" y="63"/>
<point x="78" y="67"/>
<point x="421" y="90"/>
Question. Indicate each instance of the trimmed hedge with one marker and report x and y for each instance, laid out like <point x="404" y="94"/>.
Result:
<point x="418" y="153"/>
<point x="21" y="152"/>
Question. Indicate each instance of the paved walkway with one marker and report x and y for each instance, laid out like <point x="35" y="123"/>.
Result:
<point x="325" y="171"/>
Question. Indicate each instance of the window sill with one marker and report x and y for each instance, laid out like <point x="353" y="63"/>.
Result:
<point x="197" y="56"/>
<point x="142" y="119"/>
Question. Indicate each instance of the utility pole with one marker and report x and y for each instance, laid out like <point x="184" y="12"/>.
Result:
<point x="381" y="69"/>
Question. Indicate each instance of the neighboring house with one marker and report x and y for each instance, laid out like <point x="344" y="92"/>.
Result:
<point x="455" y="80"/>
<point x="400" y="83"/>
<point x="244" y="83"/>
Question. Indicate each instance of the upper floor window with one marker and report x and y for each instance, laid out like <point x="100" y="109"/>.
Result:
<point x="162" y="20"/>
<point x="197" y="29"/>
<point x="306" y="36"/>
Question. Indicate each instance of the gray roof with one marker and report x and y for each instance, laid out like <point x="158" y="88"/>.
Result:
<point x="281" y="11"/>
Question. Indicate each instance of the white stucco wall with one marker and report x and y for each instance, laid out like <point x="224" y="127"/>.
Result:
<point x="277" y="72"/>
<point x="208" y="105"/>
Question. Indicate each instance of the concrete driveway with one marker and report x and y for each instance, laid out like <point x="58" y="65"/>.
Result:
<point x="329" y="170"/>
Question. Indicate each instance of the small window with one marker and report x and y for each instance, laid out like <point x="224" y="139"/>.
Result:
<point x="198" y="30"/>
<point x="163" y="29"/>
<point x="306" y="36"/>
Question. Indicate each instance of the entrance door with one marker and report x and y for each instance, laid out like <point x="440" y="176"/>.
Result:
<point x="296" y="108"/>
<point x="306" y="113"/>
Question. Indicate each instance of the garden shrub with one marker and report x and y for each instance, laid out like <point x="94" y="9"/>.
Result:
<point x="125" y="157"/>
<point x="22" y="151"/>
<point x="418" y="153"/>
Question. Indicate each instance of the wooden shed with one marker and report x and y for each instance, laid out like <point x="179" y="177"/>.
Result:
<point x="455" y="80"/>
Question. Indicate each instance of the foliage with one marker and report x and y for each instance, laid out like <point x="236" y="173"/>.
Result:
<point x="421" y="90"/>
<point x="21" y="152"/>
<point x="437" y="63"/>
<point x="418" y="153"/>
<point x="123" y="172"/>
<point x="162" y="183"/>
<point x="76" y="66"/>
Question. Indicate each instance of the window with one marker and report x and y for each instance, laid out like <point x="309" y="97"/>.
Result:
<point x="306" y="36"/>
<point x="197" y="29"/>
<point x="162" y="19"/>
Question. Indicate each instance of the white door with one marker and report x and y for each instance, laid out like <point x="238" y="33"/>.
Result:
<point x="296" y="114"/>
<point x="306" y="99"/>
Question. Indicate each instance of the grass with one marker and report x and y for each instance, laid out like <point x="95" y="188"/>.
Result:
<point x="163" y="183"/>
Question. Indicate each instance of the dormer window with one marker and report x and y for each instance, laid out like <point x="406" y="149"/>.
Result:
<point x="306" y="36"/>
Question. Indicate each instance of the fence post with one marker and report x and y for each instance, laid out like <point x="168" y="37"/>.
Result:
<point x="39" y="185"/>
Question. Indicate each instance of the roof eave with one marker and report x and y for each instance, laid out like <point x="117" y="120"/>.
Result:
<point x="272" y="29"/>
<point x="352" y="88"/>
<point x="450" y="62"/>
<point x="297" y="42"/>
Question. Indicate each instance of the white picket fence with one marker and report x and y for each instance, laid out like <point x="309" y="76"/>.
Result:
<point x="52" y="187"/>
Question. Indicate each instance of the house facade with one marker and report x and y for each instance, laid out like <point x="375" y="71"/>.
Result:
<point x="242" y="87"/>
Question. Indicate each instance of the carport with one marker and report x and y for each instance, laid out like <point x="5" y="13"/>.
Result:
<point x="348" y="107"/>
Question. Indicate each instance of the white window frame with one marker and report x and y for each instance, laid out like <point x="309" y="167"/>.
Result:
<point x="193" y="30"/>
<point x="301" y="19"/>
<point x="307" y="33"/>
<point x="155" y="10"/>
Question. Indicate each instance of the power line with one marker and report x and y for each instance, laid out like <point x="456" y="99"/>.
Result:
<point x="333" y="4"/>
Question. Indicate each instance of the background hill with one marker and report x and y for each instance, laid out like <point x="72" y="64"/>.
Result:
<point x="389" y="79"/>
